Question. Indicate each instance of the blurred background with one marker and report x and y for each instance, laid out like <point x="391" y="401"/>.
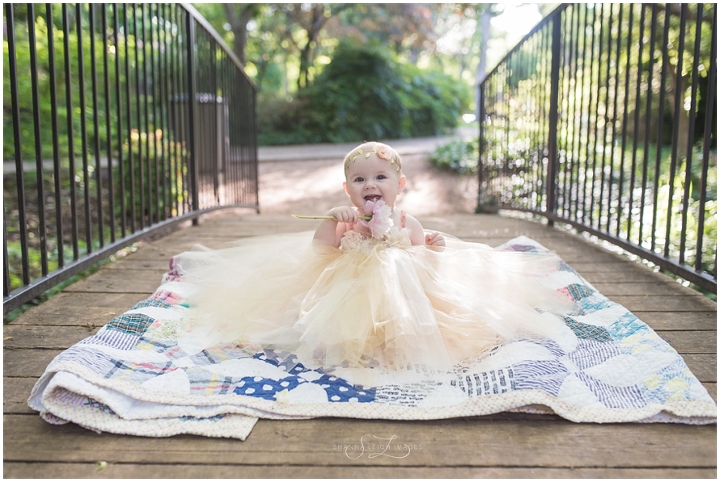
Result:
<point x="343" y="72"/>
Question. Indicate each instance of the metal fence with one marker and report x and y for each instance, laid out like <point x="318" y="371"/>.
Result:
<point x="604" y="117"/>
<point x="119" y="120"/>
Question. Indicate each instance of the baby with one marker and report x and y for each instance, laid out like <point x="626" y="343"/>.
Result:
<point x="373" y="174"/>
<point x="381" y="299"/>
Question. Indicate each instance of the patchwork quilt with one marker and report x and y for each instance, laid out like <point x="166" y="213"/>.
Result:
<point x="135" y="376"/>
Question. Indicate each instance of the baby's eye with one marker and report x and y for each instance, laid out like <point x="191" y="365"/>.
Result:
<point x="359" y="179"/>
<point x="382" y="176"/>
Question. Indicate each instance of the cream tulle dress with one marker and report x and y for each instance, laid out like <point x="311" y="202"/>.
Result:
<point x="370" y="303"/>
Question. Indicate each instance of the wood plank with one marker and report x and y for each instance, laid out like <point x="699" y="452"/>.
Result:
<point x="45" y="337"/>
<point x="628" y="271"/>
<point x="27" y="363"/>
<point x="681" y="303"/>
<point x="712" y="390"/>
<point x="608" y="267"/>
<point x="702" y="365"/>
<point x="691" y="341"/>
<point x="79" y="309"/>
<point x="625" y="277"/>
<point x="265" y="221"/>
<point x="17" y="470"/>
<point x="553" y="244"/>
<point x="547" y="236"/>
<point x="541" y="235"/>
<point x="157" y="265"/>
<point x="166" y="251"/>
<point x="485" y="225"/>
<point x="16" y="392"/>
<point x="290" y="226"/>
<point x="115" y="281"/>
<point x="249" y="218"/>
<point x="678" y="321"/>
<point x="453" y="442"/>
<point x="649" y="288"/>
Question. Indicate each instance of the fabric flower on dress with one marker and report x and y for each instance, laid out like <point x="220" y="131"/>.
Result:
<point x="381" y="221"/>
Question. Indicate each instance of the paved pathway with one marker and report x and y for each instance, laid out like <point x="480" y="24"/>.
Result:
<point x="420" y="145"/>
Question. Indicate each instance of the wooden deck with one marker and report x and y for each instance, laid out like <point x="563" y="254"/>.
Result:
<point x="502" y="445"/>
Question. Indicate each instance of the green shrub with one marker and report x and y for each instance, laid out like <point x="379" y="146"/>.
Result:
<point x="364" y="94"/>
<point x="459" y="156"/>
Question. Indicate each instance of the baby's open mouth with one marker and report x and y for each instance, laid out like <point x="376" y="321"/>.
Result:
<point x="372" y="197"/>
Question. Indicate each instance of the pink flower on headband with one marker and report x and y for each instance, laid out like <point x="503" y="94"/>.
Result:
<point x="383" y="152"/>
<point x="381" y="221"/>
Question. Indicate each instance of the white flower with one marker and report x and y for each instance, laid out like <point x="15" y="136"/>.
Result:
<point x="381" y="221"/>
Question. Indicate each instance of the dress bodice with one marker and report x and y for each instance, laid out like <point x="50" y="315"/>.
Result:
<point x="355" y="241"/>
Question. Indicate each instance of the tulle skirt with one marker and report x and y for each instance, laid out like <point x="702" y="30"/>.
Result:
<point x="391" y="307"/>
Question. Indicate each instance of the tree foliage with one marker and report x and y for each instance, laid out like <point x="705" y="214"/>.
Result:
<point x="65" y="120"/>
<point x="366" y="94"/>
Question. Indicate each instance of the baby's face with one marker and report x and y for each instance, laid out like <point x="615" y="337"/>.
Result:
<point x="372" y="179"/>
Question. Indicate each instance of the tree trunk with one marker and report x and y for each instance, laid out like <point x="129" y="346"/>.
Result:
<point x="239" y="44"/>
<point x="317" y="23"/>
<point x="304" y="64"/>
<point x="286" y="86"/>
<point x="681" y="118"/>
<point x="238" y="24"/>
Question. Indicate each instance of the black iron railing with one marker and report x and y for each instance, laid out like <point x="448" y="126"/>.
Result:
<point x="119" y="119"/>
<point x="604" y="117"/>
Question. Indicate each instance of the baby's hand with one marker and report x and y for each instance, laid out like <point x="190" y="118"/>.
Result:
<point x="344" y="214"/>
<point x="435" y="240"/>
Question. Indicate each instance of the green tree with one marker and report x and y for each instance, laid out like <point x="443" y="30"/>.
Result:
<point x="238" y="16"/>
<point x="365" y="93"/>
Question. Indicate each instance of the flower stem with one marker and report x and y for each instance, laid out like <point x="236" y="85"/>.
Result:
<point x="366" y="218"/>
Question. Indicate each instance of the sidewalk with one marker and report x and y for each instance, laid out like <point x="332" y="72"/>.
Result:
<point x="302" y="152"/>
<point x="307" y="152"/>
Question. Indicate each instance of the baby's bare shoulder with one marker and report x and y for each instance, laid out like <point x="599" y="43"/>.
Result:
<point x="417" y="235"/>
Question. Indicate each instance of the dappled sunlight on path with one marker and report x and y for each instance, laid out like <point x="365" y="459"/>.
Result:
<point x="314" y="187"/>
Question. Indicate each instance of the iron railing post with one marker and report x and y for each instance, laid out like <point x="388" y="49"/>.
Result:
<point x="585" y="146"/>
<point x="551" y="183"/>
<point x="192" y="94"/>
<point x="254" y="156"/>
<point x="32" y="264"/>
<point x="481" y="144"/>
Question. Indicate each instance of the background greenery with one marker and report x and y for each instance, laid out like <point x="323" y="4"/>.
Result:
<point x="343" y="72"/>
<point x="365" y="93"/>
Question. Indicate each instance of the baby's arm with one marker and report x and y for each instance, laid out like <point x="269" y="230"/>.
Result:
<point x="418" y="236"/>
<point x="330" y="231"/>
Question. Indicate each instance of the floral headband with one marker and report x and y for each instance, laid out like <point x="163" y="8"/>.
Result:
<point x="384" y="152"/>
